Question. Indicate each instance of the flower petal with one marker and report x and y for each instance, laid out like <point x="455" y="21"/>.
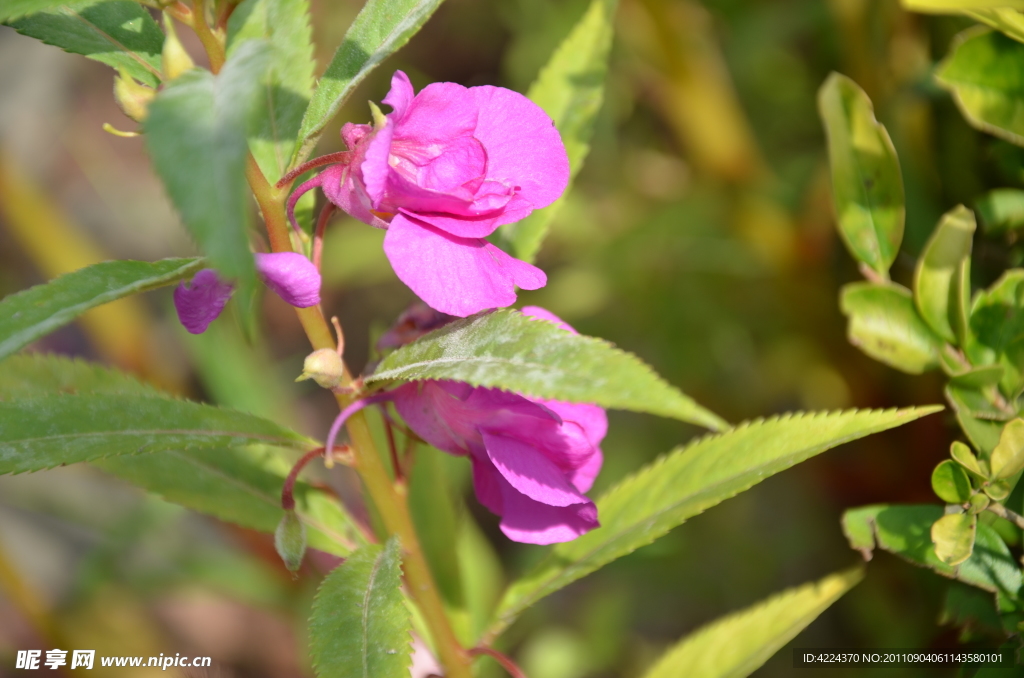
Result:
<point x="530" y="472"/>
<point x="375" y="168"/>
<point x="487" y="484"/>
<point x="292" y="276"/>
<point x="531" y="522"/>
<point x="400" y="95"/>
<point x="426" y="408"/>
<point x="458" y="276"/>
<point x="440" y="113"/>
<point x="523" y="147"/>
<point x="583" y="478"/>
<point x="200" y="302"/>
<point x="544" y="314"/>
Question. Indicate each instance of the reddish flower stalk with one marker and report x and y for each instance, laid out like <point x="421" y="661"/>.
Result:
<point x="360" y="404"/>
<point x="318" y="236"/>
<point x="287" y="492"/>
<point x="506" y="661"/>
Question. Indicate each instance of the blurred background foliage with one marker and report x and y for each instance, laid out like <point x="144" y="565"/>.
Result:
<point x="699" y="235"/>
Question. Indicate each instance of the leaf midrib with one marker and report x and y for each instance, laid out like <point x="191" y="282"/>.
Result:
<point x="130" y="432"/>
<point x="109" y="38"/>
<point x="377" y="563"/>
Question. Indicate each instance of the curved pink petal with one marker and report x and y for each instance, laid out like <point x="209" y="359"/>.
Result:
<point x="440" y="113"/>
<point x="458" y="276"/>
<point x="531" y="522"/>
<point x="400" y="96"/>
<point x="374" y="167"/>
<point x="417" y="403"/>
<point x="487" y="484"/>
<point x="530" y="472"/>
<point x="591" y="418"/>
<point x="523" y="147"/>
<point x="200" y="302"/>
<point x="583" y="477"/>
<point x="292" y="276"/>
<point x="544" y="314"/>
<point x="340" y="188"/>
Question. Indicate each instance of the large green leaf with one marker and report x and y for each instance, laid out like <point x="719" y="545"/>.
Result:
<point x="686" y="482"/>
<point x="737" y="645"/>
<point x="866" y="182"/>
<point x="239" y="485"/>
<point x="1001" y="209"/>
<point x="942" y="277"/>
<point x="118" y="33"/>
<point x="360" y="626"/>
<point x="231" y="484"/>
<point x="906" y="532"/>
<point x="1003" y="18"/>
<point x="885" y="325"/>
<point x="196" y="136"/>
<point x="508" y="350"/>
<point x="570" y="88"/>
<point x="284" y="25"/>
<point x="380" y="29"/>
<point x="997" y="330"/>
<point x="985" y="73"/>
<point x="958" y="6"/>
<point x="37" y="311"/>
<point x="47" y="431"/>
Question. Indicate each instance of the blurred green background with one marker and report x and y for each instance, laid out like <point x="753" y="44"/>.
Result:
<point x="699" y="235"/>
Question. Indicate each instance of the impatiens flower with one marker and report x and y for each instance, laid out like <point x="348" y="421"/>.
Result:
<point x="441" y="172"/>
<point x="532" y="459"/>
<point x="292" y="276"/>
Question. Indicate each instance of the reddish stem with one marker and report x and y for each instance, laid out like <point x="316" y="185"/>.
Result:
<point x="287" y="497"/>
<point x="318" y="235"/>
<point x="504" y="660"/>
<point x="389" y="431"/>
<point x="329" y="159"/>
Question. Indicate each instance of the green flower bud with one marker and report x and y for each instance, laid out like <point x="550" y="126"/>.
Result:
<point x="131" y="97"/>
<point x="290" y="540"/>
<point x="323" y="366"/>
<point x="175" y="59"/>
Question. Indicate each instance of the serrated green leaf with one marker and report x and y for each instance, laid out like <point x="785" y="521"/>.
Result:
<point x="997" y="330"/>
<point x="47" y="431"/>
<point x="196" y="137"/>
<point x="360" y="626"/>
<point x="906" y="532"/>
<point x="886" y="326"/>
<point x="240" y="485"/>
<point x="738" y="644"/>
<point x="37" y="311"/>
<point x="686" y="482"/>
<point x="379" y="30"/>
<point x="1001" y="209"/>
<point x="953" y="537"/>
<point x="985" y="73"/>
<point x="950" y="482"/>
<point x="867" y="186"/>
<point x="118" y="33"/>
<point x="284" y="25"/>
<point x="937" y="292"/>
<point x="570" y="88"/>
<point x="508" y="350"/>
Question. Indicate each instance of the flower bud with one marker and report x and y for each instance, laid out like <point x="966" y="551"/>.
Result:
<point x="323" y="366"/>
<point x="175" y="59"/>
<point x="132" y="98"/>
<point x="290" y="540"/>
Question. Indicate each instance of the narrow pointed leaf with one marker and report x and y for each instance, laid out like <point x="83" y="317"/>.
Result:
<point x="570" y="88"/>
<point x="118" y="33"/>
<point x="47" y="431"/>
<point x="937" y="293"/>
<point x="885" y="325"/>
<point x="360" y="626"/>
<point x="284" y="25"/>
<point x="867" y="186"/>
<point x="508" y="350"/>
<point x="737" y="645"/>
<point x="239" y="485"/>
<point x="380" y="29"/>
<point x="196" y="136"/>
<point x="906" y="532"/>
<point x="958" y="6"/>
<point x="985" y="73"/>
<point x="687" y="482"/>
<point x="37" y="311"/>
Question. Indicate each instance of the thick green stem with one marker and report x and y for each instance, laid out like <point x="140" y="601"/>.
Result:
<point x="212" y="43"/>
<point x="1006" y="513"/>
<point x="389" y="498"/>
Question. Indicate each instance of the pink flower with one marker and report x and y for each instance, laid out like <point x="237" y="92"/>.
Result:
<point x="533" y="459"/>
<point x="441" y="172"/>
<point x="292" y="276"/>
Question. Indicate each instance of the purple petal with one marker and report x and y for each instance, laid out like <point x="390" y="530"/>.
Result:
<point x="531" y="522"/>
<point x="400" y="96"/>
<point x="375" y="168"/>
<point x="583" y="477"/>
<point x="292" y="276"/>
<point x="348" y="194"/>
<point x="487" y="484"/>
<point x="530" y="472"/>
<point x="439" y="114"/>
<point x="424" y="406"/>
<point x="458" y="276"/>
<point x="523" y="147"/>
<point x="591" y="418"/>
<point x="202" y="300"/>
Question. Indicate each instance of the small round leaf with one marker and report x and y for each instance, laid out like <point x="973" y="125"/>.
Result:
<point x="950" y="483"/>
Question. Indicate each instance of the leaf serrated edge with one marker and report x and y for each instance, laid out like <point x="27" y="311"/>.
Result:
<point x="76" y="362"/>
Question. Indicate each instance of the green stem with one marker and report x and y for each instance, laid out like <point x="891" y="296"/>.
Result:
<point x="389" y="498"/>
<point x="1006" y="513"/>
<point x="212" y="43"/>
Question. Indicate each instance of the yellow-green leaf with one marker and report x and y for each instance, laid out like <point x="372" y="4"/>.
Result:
<point x="938" y="291"/>
<point x="953" y="536"/>
<point x="884" y="324"/>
